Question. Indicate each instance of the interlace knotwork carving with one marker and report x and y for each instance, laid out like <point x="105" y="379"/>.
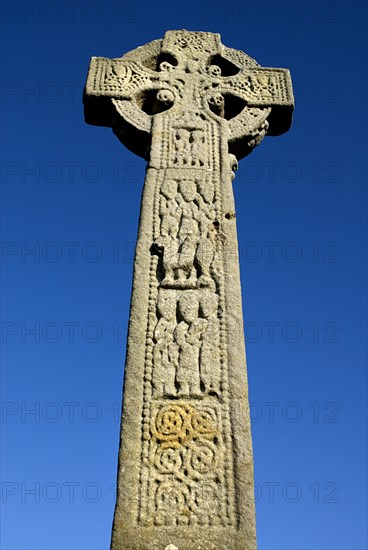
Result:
<point x="186" y="479"/>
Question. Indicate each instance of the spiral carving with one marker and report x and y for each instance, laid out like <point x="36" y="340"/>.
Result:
<point x="202" y="458"/>
<point x="168" y="460"/>
<point x="178" y="423"/>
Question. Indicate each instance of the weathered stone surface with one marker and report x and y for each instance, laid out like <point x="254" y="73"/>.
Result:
<point x="191" y="107"/>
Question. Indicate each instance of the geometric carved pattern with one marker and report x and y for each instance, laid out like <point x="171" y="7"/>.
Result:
<point x="186" y="465"/>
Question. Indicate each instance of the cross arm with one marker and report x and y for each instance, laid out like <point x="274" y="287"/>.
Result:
<point x="265" y="87"/>
<point x="109" y="79"/>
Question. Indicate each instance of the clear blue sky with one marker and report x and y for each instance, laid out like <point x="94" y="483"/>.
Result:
<point x="72" y="193"/>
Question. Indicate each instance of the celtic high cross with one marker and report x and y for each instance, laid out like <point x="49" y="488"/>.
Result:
<point x="191" y="107"/>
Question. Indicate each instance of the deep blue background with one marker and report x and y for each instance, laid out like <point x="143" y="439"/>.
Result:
<point x="66" y="182"/>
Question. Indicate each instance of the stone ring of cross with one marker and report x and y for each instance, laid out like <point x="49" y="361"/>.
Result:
<point x="190" y="71"/>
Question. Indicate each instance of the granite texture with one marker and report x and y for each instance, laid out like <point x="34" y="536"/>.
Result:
<point x="191" y="107"/>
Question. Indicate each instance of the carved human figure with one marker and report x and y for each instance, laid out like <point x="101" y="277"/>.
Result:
<point x="207" y="241"/>
<point x="188" y="338"/>
<point x="210" y="368"/>
<point x="170" y="216"/>
<point x="165" y="353"/>
<point x="182" y="146"/>
<point x="196" y="144"/>
<point x="169" y="209"/>
<point x="205" y="254"/>
<point x="188" y="232"/>
<point x="206" y="190"/>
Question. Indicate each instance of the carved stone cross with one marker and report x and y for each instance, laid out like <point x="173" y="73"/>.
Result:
<point x="191" y="107"/>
